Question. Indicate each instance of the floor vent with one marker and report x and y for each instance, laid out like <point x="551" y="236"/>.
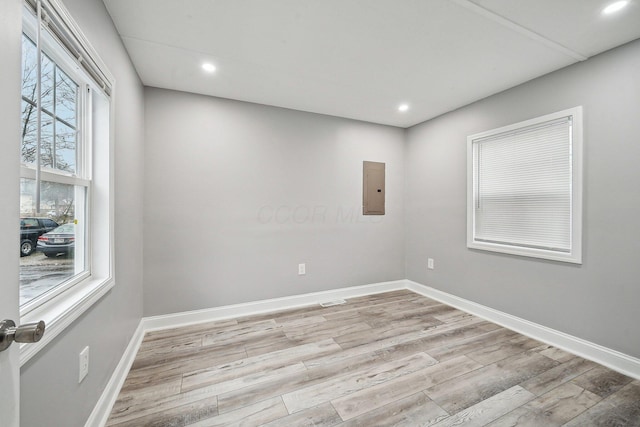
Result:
<point x="332" y="303"/>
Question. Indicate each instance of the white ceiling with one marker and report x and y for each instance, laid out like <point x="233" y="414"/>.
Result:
<point x="362" y="58"/>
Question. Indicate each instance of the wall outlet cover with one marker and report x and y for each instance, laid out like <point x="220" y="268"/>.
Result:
<point x="84" y="364"/>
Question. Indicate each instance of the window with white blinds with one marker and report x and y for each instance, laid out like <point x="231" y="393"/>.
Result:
<point x="524" y="194"/>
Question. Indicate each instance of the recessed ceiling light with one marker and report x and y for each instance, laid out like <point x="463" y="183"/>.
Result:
<point x="615" y="6"/>
<point x="403" y="107"/>
<point x="208" y="67"/>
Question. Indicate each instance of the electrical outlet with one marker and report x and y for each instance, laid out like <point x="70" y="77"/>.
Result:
<point x="302" y="269"/>
<point x="430" y="265"/>
<point x="84" y="364"/>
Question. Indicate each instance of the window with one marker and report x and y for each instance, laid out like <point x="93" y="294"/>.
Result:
<point x="55" y="180"/>
<point x="65" y="174"/>
<point x="525" y="188"/>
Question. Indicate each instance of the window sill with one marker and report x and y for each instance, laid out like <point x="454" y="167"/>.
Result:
<point x="573" y="258"/>
<point x="60" y="312"/>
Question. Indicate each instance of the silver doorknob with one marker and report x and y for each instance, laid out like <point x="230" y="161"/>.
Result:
<point x="29" y="332"/>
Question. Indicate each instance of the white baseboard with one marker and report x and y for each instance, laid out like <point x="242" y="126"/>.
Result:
<point x="265" y="306"/>
<point x="612" y="359"/>
<point x="101" y="411"/>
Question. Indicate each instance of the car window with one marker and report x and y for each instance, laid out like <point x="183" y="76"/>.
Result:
<point x="49" y="223"/>
<point x="65" y="228"/>
<point x="30" y="222"/>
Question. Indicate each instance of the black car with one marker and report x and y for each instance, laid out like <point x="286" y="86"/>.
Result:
<point x="30" y="230"/>
<point x="58" y="242"/>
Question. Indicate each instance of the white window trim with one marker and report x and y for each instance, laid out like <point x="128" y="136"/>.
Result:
<point x="61" y="311"/>
<point x="575" y="255"/>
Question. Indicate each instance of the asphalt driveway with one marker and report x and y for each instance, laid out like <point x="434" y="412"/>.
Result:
<point x="38" y="274"/>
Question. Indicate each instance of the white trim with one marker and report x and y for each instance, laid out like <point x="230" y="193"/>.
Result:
<point x="56" y="11"/>
<point x="102" y="410"/>
<point x="60" y="311"/>
<point x="607" y="357"/>
<point x="575" y="253"/>
<point x="612" y="359"/>
<point x="67" y="308"/>
<point x="265" y="306"/>
<point x="92" y="55"/>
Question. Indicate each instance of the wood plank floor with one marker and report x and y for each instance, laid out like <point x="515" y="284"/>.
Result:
<point x="392" y="359"/>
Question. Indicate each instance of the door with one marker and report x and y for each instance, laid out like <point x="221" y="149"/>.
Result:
<point x="10" y="58"/>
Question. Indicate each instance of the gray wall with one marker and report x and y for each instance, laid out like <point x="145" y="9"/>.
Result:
<point x="237" y="194"/>
<point x="598" y="300"/>
<point x="50" y="393"/>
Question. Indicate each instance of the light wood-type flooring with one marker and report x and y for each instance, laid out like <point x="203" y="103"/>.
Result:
<point x="391" y="359"/>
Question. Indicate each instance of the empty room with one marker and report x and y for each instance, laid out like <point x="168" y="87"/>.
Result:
<point x="320" y="213"/>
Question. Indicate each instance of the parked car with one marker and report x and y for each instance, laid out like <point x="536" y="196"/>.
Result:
<point x="30" y="230"/>
<point x="58" y="242"/>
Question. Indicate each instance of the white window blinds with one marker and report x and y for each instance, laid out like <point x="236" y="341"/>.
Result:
<point x="523" y="187"/>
